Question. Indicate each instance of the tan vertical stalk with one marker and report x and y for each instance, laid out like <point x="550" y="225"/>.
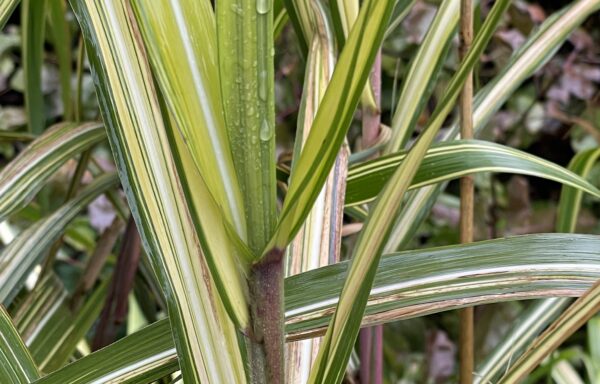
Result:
<point x="466" y="190"/>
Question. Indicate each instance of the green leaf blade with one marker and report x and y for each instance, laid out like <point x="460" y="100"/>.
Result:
<point x="245" y="46"/>
<point x="418" y="282"/>
<point x="299" y="14"/>
<point x="205" y="337"/>
<point x="6" y="9"/>
<point x="415" y="283"/>
<point x="33" y="14"/>
<point x="56" y="340"/>
<point x="17" y="364"/>
<point x="28" y="249"/>
<point x="450" y="160"/>
<point x="570" y="197"/>
<point x="124" y="361"/>
<point x="26" y="174"/>
<point x="423" y="73"/>
<point x="538" y="49"/>
<point x="187" y="73"/>
<point x="543" y="313"/>
<point x="570" y="321"/>
<point x="318" y="241"/>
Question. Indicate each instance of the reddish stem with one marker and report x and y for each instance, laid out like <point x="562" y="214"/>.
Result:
<point x="266" y="294"/>
<point x="116" y="304"/>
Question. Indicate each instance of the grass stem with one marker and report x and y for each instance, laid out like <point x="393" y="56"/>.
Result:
<point x="466" y="341"/>
<point x="266" y="306"/>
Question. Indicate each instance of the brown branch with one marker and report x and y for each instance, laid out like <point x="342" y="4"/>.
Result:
<point x="104" y="246"/>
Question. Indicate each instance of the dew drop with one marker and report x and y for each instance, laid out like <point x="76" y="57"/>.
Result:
<point x="262" y="85"/>
<point x="263" y="6"/>
<point x="266" y="132"/>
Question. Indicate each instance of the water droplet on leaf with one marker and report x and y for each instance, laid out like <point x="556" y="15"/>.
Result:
<point x="263" y="6"/>
<point x="266" y="131"/>
<point x="262" y="85"/>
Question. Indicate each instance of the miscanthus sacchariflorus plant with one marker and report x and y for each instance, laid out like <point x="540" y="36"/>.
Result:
<point x="242" y="273"/>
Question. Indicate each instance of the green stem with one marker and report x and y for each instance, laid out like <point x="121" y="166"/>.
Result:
<point x="78" y="174"/>
<point x="32" y="21"/>
<point x="78" y="108"/>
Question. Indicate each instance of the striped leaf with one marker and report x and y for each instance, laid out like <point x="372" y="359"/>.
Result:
<point x="16" y="136"/>
<point x="205" y="337"/>
<point x="56" y="339"/>
<point x="568" y="323"/>
<point x="318" y="241"/>
<point x="16" y="362"/>
<point x="528" y="326"/>
<point x="23" y="177"/>
<point x="570" y="198"/>
<point x="422" y="74"/>
<point x="187" y="73"/>
<point x="402" y="9"/>
<point x="207" y="175"/>
<point x="33" y="14"/>
<point x="38" y="306"/>
<point x="343" y="330"/>
<point x="419" y="282"/>
<point x="537" y="318"/>
<point x="343" y="16"/>
<point x="141" y="357"/>
<point x="312" y="246"/>
<point x="30" y="247"/>
<point x="408" y="284"/>
<point x="451" y="160"/>
<point x="227" y="255"/>
<point x="299" y="12"/>
<point x="6" y="9"/>
<point x="333" y="119"/>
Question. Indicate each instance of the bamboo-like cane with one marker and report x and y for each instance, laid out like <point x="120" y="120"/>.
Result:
<point x="466" y="191"/>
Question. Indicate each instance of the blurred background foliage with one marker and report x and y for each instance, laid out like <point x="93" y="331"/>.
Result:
<point x="553" y="115"/>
